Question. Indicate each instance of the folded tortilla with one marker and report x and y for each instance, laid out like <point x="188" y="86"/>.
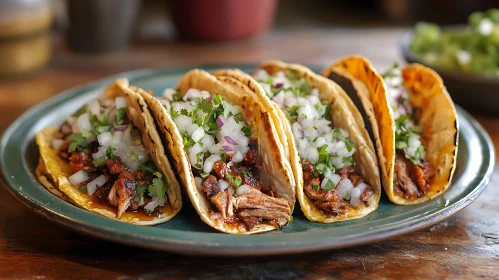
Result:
<point x="54" y="172"/>
<point x="344" y="115"/>
<point x="438" y="119"/>
<point x="276" y="170"/>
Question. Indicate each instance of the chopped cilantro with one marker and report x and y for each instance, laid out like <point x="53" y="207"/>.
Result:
<point x="218" y="99"/>
<point x="187" y="140"/>
<point x="158" y="186"/>
<point x="223" y="156"/>
<point x="246" y="130"/>
<point x="204" y="175"/>
<point x="327" y="112"/>
<point x="102" y="129"/>
<point x="99" y="161"/>
<point x="329" y="185"/>
<point x="391" y="72"/>
<point x="110" y="152"/>
<point x="293" y="112"/>
<point x="148" y="212"/>
<point x="81" y="111"/>
<point x="323" y="155"/>
<point x="120" y="115"/>
<point x="236" y="181"/>
<point x="173" y="113"/>
<point x="147" y="167"/>
<point x="86" y="134"/>
<point x="347" y="195"/>
<point x="177" y="96"/>
<point x="136" y="199"/>
<point x="315" y="187"/>
<point x="83" y="188"/>
<point x="246" y="172"/>
<point x="141" y="189"/>
<point x="77" y="141"/>
<point x="133" y="154"/>
<point x="228" y="176"/>
<point x="205" y="106"/>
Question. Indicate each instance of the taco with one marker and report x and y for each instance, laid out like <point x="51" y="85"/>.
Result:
<point x="414" y="123"/>
<point x="227" y="152"/>
<point x="108" y="158"/>
<point x="332" y="157"/>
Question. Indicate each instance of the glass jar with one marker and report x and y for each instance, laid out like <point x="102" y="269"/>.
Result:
<point x="24" y="35"/>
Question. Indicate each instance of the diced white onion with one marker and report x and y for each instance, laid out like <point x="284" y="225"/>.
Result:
<point x="57" y="144"/>
<point x="354" y="197"/>
<point x="94" y="107"/>
<point x="83" y="122"/>
<point x="343" y="187"/>
<point x="238" y="157"/>
<point x="120" y="102"/>
<point x="78" y="178"/>
<point x="222" y="185"/>
<point x="243" y="189"/>
<point x="209" y="162"/>
<point x="198" y="134"/>
<point x="153" y="204"/>
<point x="168" y="94"/>
<point x="105" y="138"/>
<point x="96" y="183"/>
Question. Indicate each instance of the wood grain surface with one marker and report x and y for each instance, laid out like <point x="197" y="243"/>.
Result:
<point x="463" y="246"/>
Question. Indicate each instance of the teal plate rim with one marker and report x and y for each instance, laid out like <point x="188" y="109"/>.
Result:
<point x="18" y="156"/>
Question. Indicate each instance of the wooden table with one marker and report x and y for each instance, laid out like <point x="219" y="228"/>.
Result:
<point x="464" y="246"/>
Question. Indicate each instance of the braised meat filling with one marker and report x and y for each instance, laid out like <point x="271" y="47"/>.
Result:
<point x="108" y="160"/>
<point x="326" y="152"/>
<point x="224" y="159"/>
<point x="412" y="172"/>
<point x="243" y="197"/>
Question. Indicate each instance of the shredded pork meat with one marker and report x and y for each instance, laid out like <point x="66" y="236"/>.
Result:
<point x="409" y="180"/>
<point x="328" y="200"/>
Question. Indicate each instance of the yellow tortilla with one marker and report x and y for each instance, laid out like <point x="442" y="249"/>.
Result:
<point x="54" y="172"/>
<point x="439" y="119"/>
<point x="276" y="173"/>
<point x="344" y="114"/>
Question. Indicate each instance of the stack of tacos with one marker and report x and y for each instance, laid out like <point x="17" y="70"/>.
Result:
<point x="332" y="157"/>
<point x="245" y="147"/>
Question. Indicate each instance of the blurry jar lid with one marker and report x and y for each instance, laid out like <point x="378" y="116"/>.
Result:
<point x="23" y="17"/>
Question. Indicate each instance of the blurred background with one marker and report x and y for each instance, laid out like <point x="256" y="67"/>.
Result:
<point x="34" y="33"/>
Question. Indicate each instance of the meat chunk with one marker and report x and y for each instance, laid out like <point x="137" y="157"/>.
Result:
<point x="81" y="161"/>
<point x="220" y="168"/>
<point x="401" y="180"/>
<point x="210" y="186"/>
<point x="122" y="192"/>
<point x="420" y="175"/>
<point x="223" y="202"/>
<point x="251" y="157"/>
<point x="364" y="197"/>
<point x="254" y="206"/>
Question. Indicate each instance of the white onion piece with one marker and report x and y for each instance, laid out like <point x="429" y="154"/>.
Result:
<point x="57" y="144"/>
<point x="198" y="134"/>
<point x="105" y="138"/>
<point x="243" y="189"/>
<point x="96" y="183"/>
<point x="153" y="204"/>
<point x="343" y="187"/>
<point x="209" y="162"/>
<point x="238" y="157"/>
<point x="191" y="93"/>
<point x="83" y="122"/>
<point x="168" y="94"/>
<point x="100" y="153"/>
<point x="361" y="187"/>
<point x="222" y="185"/>
<point x="198" y="181"/>
<point x="78" y="178"/>
<point x="354" y="197"/>
<point x="94" y="107"/>
<point x="120" y="102"/>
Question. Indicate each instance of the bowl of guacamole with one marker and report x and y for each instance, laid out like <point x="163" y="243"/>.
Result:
<point x="466" y="56"/>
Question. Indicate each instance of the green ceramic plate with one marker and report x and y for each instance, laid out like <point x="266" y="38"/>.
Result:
<point x="185" y="233"/>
